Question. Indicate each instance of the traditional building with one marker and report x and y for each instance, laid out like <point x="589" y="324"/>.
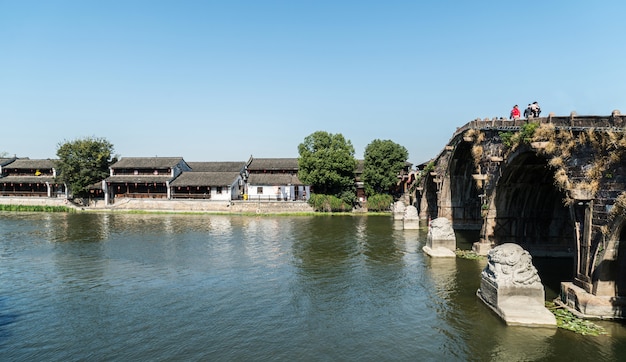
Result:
<point x="406" y="177"/>
<point x="358" y="181"/>
<point x="211" y="180"/>
<point x="142" y="177"/>
<point x="271" y="179"/>
<point x="224" y="186"/>
<point x="30" y="178"/>
<point x="5" y="161"/>
<point x="218" y="166"/>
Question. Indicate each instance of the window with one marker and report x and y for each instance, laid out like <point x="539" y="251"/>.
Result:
<point x="259" y="190"/>
<point x="218" y="190"/>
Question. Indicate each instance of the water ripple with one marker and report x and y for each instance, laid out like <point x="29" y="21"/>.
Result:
<point x="171" y="287"/>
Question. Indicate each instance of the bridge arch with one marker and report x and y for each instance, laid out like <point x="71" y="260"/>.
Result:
<point x="429" y="199"/>
<point x="576" y="210"/>
<point x="464" y="195"/>
<point x="528" y="209"/>
<point x="610" y="273"/>
<point x="620" y="272"/>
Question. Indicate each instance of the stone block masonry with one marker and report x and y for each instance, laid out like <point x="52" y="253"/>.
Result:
<point x="162" y="205"/>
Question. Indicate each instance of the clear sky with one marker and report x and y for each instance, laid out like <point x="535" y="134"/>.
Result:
<point x="223" y="80"/>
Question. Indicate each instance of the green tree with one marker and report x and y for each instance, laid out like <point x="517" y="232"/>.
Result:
<point x="83" y="162"/>
<point x="327" y="163"/>
<point x="384" y="159"/>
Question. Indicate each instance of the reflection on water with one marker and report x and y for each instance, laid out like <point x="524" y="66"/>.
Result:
<point x="522" y="344"/>
<point x="211" y="287"/>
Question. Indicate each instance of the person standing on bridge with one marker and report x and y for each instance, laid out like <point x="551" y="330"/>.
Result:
<point x="535" y="110"/>
<point x="528" y="111"/>
<point x="515" y="114"/>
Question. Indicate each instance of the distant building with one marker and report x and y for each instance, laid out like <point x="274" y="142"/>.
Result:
<point x="142" y="177"/>
<point x="358" y="181"/>
<point x="275" y="179"/>
<point x="405" y="177"/>
<point x="211" y="181"/>
<point x="30" y="178"/>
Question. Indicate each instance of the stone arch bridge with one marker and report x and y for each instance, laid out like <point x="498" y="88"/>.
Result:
<point x="553" y="185"/>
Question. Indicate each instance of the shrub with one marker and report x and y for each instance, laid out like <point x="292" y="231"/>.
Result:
<point x="328" y="203"/>
<point x="525" y="135"/>
<point x="528" y="131"/>
<point x="42" y="208"/>
<point x="379" y="202"/>
<point x="507" y="138"/>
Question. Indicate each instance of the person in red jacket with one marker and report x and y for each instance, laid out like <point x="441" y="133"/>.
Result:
<point x="515" y="113"/>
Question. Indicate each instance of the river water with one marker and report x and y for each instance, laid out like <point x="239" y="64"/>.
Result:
<point x="104" y="287"/>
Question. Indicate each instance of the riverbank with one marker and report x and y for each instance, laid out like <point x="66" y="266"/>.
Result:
<point x="174" y="206"/>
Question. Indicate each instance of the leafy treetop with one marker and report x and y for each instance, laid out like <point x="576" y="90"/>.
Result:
<point x="83" y="162"/>
<point x="327" y="163"/>
<point x="384" y="159"/>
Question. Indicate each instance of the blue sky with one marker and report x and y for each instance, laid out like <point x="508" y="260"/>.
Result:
<point x="223" y="80"/>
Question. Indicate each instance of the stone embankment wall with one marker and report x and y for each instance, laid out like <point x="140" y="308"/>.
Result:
<point x="128" y="204"/>
<point x="207" y="206"/>
<point x="34" y="201"/>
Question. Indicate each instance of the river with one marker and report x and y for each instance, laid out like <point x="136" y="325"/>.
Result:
<point x="167" y="287"/>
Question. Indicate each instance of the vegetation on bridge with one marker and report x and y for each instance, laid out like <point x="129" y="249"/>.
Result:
<point x="620" y="204"/>
<point x="423" y="173"/>
<point x="607" y="147"/>
<point x="523" y="136"/>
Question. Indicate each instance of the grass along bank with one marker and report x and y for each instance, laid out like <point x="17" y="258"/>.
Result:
<point x="40" y="208"/>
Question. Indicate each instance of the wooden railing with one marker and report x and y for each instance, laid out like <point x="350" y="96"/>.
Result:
<point x="142" y="195"/>
<point x="268" y="198"/>
<point x="26" y="193"/>
<point x="192" y="196"/>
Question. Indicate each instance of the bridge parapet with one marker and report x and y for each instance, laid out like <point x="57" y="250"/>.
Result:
<point x="615" y="121"/>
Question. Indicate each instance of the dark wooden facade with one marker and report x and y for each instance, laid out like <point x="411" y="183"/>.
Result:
<point x="24" y="177"/>
<point x="143" y="177"/>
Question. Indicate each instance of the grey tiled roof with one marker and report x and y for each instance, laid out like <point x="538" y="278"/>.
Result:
<point x="28" y="179"/>
<point x="27" y="163"/>
<point x="6" y="161"/>
<point x="205" y="179"/>
<point x="228" y="166"/>
<point x="95" y="186"/>
<point x="147" y="162"/>
<point x="273" y="179"/>
<point x="137" y="178"/>
<point x="260" y="164"/>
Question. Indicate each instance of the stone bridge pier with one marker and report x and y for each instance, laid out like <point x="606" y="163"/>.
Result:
<point x="553" y="185"/>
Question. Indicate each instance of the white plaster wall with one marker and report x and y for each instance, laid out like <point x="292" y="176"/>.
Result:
<point x="269" y="191"/>
<point x="224" y="196"/>
<point x="283" y="191"/>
